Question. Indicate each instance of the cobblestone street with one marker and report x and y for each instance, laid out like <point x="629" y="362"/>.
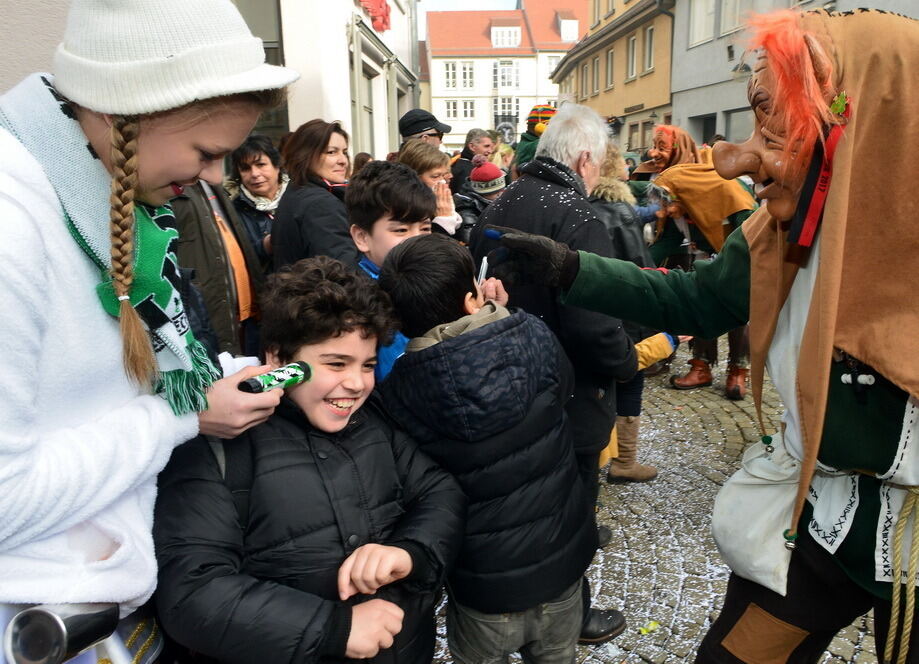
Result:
<point x="662" y="564"/>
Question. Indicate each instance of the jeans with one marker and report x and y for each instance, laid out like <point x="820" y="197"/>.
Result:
<point x="543" y="634"/>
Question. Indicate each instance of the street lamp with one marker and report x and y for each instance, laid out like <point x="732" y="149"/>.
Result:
<point x="653" y="117"/>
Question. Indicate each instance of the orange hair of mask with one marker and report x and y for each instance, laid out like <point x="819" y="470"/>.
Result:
<point x="799" y="101"/>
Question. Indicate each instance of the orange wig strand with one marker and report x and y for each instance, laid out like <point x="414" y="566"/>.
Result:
<point x="682" y="148"/>
<point x="666" y="130"/>
<point x="799" y="100"/>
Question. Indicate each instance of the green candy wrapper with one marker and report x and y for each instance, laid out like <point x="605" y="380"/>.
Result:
<point x="286" y="376"/>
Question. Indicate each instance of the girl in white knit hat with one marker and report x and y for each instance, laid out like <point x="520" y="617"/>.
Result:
<point x="100" y="376"/>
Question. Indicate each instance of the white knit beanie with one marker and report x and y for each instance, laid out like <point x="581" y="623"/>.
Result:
<point x="130" y="57"/>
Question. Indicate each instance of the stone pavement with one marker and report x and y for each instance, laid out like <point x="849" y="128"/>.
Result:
<point x="662" y="564"/>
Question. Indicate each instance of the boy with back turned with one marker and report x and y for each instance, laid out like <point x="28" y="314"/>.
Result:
<point x="482" y="389"/>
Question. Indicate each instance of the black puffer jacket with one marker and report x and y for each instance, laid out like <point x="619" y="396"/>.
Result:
<point x="270" y="594"/>
<point x="549" y="199"/>
<point x="488" y="405"/>
<point x="311" y="221"/>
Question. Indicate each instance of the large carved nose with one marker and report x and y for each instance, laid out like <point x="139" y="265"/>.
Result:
<point x="732" y="160"/>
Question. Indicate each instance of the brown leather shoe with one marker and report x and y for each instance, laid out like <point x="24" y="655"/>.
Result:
<point x="736" y="386"/>
<point x="700" y="375"/>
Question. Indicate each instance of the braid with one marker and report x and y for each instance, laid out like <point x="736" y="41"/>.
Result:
<point x="139" y="362"/>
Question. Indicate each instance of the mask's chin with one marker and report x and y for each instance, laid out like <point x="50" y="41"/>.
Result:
<point x="782" y="209"/>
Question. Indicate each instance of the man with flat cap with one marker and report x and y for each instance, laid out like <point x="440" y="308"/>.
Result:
<point x="418" y="123"/>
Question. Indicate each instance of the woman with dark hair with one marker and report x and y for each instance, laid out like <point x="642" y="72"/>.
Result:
<point x="311" y="218"/>
<point x="257" y="172"/>
<point x="361" y="159"/>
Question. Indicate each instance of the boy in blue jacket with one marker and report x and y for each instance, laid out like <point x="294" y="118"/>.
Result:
<point x="387" y="203"/>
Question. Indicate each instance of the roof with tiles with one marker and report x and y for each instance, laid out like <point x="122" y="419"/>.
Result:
<point x="468" y="33"/>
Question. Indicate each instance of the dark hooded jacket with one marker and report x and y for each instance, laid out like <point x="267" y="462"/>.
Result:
<point x="549" y="199"/>
<point x="488" y="405"/>
<point x="269" y="593"/>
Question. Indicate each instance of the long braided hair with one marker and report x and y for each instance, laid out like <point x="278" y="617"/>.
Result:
<point x="139" y="361"/>
<point x="137" y="351"/>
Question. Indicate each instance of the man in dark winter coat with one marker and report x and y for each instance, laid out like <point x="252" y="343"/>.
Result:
<point x="550" y="199"/>
<point x="482" y="389"/>
<point x="477" y="142"/>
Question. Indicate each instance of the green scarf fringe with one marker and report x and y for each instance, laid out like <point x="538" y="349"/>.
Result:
<point x="186" y="391"/>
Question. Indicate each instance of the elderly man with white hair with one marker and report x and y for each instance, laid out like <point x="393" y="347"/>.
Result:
<point x="551" y="198"/>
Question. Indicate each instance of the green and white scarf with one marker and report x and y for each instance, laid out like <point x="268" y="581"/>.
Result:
<point x="45" y="124"/>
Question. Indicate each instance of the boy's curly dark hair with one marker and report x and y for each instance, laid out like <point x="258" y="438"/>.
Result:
<point x="319" y="298"/>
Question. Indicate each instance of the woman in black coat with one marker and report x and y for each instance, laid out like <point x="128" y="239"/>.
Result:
<point x="613" y="203"/>
<point x="311" y="218"/>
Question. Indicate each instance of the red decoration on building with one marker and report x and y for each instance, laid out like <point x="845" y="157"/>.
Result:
<point x="379" y="13"/>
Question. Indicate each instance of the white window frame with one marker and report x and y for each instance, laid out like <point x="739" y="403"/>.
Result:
<point x="631" y="66"/>
<point x="450" y="74"/>
<point x="596" y="12"/>
<point x="610" y="68"/>
<point x="701" y="21"/>
<point x="468" y="109"/>
<point x="450" y="108"/>
<point x="506" y="106"/>
<point x="508" y="74"/>
<point x="585" y="77"/>
<point x="553" y="62"/>
<point x="467" y="74"/>
<point x="732" y="13"/>
<point x="595" y="76"/>
<point x="649" y="48"/>
<point x="505" y="37"/>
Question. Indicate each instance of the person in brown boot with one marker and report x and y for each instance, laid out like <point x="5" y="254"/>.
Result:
<point x="624" y="468"/>
<point x="699" y="375"/>
<point x="735" y="387"/>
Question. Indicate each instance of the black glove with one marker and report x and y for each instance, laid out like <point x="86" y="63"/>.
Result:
<point x="529" y="258"/>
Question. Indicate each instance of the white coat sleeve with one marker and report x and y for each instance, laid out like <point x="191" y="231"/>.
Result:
<point x="62" y="476"/>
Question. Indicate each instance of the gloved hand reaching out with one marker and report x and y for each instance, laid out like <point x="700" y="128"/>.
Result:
<point x="528" y="258"/>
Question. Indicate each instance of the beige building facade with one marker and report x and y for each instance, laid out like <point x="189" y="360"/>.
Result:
<point x="621" y="69"/>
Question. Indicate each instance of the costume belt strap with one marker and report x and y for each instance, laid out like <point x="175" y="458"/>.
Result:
<point x="817" y="184"/>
